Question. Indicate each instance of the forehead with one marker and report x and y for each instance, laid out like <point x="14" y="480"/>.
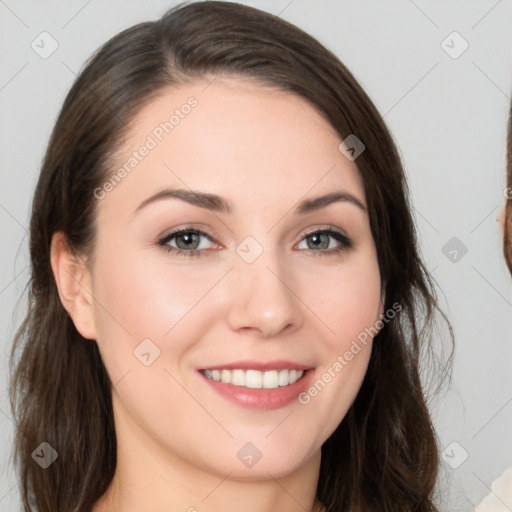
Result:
<point x="234" y="138"/>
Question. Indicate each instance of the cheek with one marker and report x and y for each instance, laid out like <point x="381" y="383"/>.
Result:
<point x="349" y="306"/>
<point x="141" y="297"/>
<point x="347" y="300"/>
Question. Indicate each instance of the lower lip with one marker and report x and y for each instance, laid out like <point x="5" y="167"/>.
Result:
<point x="266" y="399"/>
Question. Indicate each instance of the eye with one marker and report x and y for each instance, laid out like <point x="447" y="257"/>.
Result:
<point x="319" y="242"/>
<point x="188" y="242"/>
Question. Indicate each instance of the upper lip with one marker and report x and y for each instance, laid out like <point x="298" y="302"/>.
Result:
<point x="259" y="365"/>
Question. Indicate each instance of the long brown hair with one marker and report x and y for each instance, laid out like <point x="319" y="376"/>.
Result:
<point x="384" y="455"/>
<point x="507" y="221"/>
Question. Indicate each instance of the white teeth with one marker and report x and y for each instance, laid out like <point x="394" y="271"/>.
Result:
<point x="283" y="377"/>
<point x="238" y="378"/>
<point x="271" y="379"/>
<point x="254" y="378"/>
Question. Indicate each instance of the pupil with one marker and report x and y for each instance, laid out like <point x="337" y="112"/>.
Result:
<point x="189" y="242"/>
<point x="322" y="245"/>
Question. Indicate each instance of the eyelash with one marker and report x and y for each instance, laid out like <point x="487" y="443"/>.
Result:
<point x="345" y="242"/>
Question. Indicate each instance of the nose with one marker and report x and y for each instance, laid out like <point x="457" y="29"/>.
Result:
<point x="262" y="297"/>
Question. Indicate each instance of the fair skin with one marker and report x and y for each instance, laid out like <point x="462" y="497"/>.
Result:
<point x="264" y="151"/>
<point x="501" y="220"/>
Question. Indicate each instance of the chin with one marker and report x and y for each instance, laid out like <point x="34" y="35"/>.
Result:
<point x="258" y="460"/>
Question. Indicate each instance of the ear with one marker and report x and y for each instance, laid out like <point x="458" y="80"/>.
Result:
<point x="73" y="281"/>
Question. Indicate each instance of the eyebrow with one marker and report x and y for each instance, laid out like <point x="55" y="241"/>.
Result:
<point x="219" y="204"/>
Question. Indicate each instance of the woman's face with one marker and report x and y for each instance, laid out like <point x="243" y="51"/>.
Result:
<point x="254" y="288"/>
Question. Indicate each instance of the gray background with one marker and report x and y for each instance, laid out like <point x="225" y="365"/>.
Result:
<point x="448" y="116"/>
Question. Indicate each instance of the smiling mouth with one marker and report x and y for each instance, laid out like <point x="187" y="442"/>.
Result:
<point x="255" y="379"/>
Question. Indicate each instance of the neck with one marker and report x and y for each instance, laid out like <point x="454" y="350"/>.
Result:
<point x="147" y="474"/>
